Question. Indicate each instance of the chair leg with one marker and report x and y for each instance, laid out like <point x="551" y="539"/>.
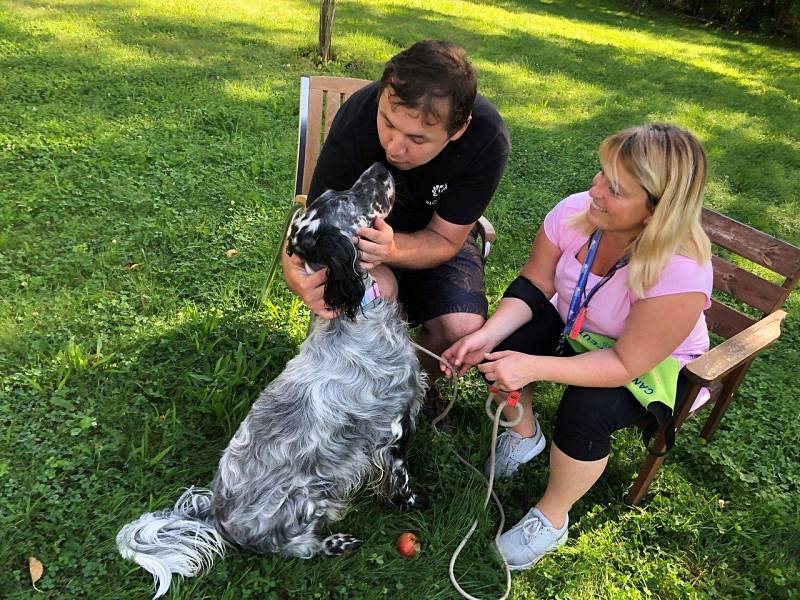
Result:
<point x="730" y="386"/>
<point x="654" y="462"/>
<point x="645" y="478"/>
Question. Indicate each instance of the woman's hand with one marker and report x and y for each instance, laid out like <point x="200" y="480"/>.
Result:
<point x="375" y="244"/>
<point x="309" y="287"/>
<point x="467" y="352"/>
<point x="509" y="370"/>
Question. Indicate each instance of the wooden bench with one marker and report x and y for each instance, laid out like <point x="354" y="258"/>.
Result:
<point x="724" y="366"/>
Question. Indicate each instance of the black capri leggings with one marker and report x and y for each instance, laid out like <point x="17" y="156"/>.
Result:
<point x="586" y="416"/>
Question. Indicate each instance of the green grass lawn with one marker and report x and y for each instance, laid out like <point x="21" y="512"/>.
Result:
<point x="140" y="141"/>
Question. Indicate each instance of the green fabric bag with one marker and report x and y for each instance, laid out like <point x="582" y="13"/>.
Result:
<point x="655" y="390"/>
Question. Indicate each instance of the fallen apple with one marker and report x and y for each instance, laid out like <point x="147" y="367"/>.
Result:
<point x="407" y="544"/>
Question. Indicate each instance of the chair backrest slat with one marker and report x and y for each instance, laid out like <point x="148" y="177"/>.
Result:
<point x="760" y="248"/>
<point x="757" y="246"/>
<point x="747" y="287"/>
<point x="333" y="101"/>
<point x="314" y="136"/>
<point x="319" y="106"/>
<point x="725" y="321"/>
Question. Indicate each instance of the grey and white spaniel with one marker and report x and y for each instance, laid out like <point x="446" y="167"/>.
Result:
<point x="340" y="414"/>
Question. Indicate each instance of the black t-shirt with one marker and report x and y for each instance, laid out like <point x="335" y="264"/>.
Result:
<point x="457" y="183"/>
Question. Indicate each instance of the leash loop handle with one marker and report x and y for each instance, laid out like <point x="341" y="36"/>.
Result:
<point x="491" y="414"/>
<point x="512" y="400"/>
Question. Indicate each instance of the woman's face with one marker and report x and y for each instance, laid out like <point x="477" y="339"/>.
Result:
<point x="619" y="208"/>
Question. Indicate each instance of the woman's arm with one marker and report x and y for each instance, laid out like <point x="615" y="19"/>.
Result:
<point x="511" y="313"/>
<point x="540" y="268"/>
<point x="654" y="329"/>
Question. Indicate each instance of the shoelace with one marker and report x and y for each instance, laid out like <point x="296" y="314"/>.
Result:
<point x="530" y="528"/>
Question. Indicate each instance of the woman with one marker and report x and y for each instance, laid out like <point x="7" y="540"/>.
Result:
<point x="637" y="235"/>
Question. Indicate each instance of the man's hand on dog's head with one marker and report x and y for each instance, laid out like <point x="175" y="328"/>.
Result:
<point x="375" y="244"/>
<point x="310" y="287"/>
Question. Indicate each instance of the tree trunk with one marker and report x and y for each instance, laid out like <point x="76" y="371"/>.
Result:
<point x="327" y="9"/>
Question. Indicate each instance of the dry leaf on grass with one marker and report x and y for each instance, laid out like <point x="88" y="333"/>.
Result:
<point x="36" y="569"/>
<point x="231" y="253"/>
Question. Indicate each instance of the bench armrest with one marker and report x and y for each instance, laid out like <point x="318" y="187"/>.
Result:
<point x="735" y="351"/>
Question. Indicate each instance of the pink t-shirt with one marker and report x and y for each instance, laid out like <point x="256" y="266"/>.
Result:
<point x="609" y="308"/>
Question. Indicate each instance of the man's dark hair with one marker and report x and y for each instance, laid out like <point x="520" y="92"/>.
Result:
<point x="430" y="71"/>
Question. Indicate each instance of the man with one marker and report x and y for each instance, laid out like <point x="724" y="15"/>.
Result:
<point x="446" y="147"/>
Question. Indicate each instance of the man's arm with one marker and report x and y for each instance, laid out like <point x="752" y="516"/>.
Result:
<point x="430" y="247"/>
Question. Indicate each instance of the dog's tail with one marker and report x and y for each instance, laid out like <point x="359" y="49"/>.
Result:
<point x="181" y="540"/>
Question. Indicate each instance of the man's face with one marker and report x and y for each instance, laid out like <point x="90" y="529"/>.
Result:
<point x="405" y="136"/>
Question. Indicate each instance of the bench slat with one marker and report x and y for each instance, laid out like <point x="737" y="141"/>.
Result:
<point x="725" y="321"/>
<point x="747" y="287"/>
<point x="755" y="245"/>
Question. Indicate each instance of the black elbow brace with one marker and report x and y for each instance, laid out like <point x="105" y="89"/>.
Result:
<point x="531" y="295"/>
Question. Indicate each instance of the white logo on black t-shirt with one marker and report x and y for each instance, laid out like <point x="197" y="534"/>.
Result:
<point x="436" y="190"/>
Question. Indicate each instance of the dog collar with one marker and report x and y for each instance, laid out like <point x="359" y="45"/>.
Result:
<point x="371" y="294"/>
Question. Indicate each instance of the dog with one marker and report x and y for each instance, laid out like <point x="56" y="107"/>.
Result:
<point x="340" y="414"/>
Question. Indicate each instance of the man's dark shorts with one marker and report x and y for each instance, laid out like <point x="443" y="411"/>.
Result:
<point x="456" y="286"/>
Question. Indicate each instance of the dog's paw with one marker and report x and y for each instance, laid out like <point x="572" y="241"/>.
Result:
<point x="416" y="501"/>
<point x="340" y="543"/>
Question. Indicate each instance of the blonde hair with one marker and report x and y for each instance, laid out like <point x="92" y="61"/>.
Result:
<point x="670" y="164"/>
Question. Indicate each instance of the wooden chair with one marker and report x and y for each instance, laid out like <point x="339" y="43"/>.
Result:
<point x="320" y="99"/>
<point x="722" y="368"/>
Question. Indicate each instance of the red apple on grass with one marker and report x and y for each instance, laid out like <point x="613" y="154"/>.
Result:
<point x="407" y="544"/>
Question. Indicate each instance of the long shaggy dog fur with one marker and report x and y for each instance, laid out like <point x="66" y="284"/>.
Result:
<point x="341" y="413"/>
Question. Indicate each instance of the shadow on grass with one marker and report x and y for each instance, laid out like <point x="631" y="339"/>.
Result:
<point x="131" y="428"/>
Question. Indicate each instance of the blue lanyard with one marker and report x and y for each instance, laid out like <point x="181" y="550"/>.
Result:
<point x="577" y="305"/>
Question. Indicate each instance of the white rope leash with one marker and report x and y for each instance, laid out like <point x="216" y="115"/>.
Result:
<point x="496" y="422"/>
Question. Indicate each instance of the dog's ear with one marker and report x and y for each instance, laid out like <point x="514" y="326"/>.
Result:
<point x="344" y="287"/>
<point x="300" y="242"/>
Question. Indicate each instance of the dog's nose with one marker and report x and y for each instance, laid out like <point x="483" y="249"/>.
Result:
<point x="379" y="171"/>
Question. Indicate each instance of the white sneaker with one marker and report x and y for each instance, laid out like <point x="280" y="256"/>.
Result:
<point x="514" y="450"/>
<point x="528" y="541"/>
